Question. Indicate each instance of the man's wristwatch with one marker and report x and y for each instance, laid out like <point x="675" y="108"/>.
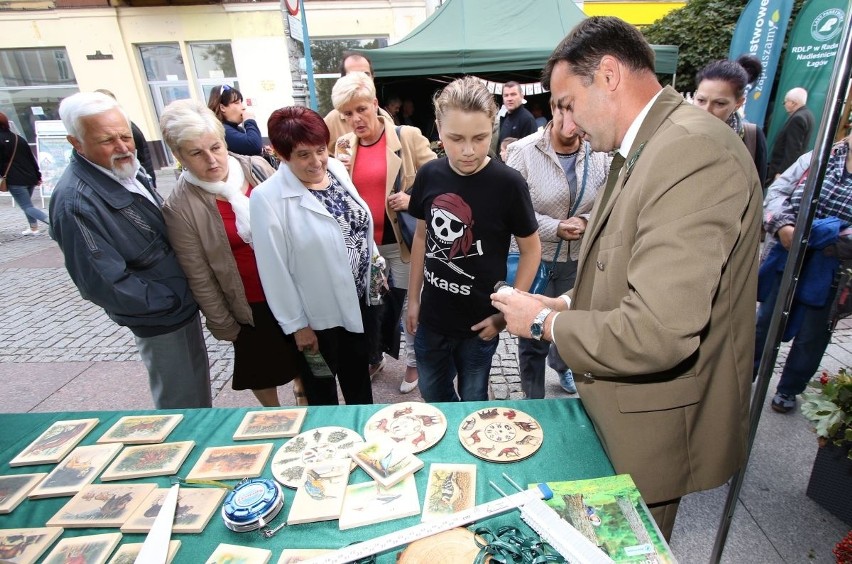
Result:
<point x="537" y="327"/>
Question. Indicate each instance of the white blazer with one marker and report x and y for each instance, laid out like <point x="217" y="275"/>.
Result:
<point x="301" y="256"/>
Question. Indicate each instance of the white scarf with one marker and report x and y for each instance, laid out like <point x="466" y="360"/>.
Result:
<point x="232" y="190"/>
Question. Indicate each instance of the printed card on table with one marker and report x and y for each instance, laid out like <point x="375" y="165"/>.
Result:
<point x="385" y="461"/>
<point x="272" y="424"/>
<point x="142" y="461"/>
<point x="101" y="505"/>
<point x="78" y="469"/>
<point x="231" y="554"/>
<point x="195" y="507"/>
<point x="57" y="440"/>
<point x="14" y="488"/>
<point x="89" y="549"/>
<point x="141" y="429"/>
<point x="451" y="488"/>
<point x="23" y="546"/>
<point x="368" y="503"/>
<point x="128" y="552"/>
<point x="296" y="555"/>
<point x="231" y="462"/>
<point x="319" y="496"/>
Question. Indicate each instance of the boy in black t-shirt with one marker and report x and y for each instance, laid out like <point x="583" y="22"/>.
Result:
<point x="468" y="206"/>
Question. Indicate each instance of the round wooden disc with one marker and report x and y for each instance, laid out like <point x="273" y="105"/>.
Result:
<point x="316" y="445"/>
<point x="500" y="434"/>
<point x="415" y="424"/>
<point x="455" y="546"/>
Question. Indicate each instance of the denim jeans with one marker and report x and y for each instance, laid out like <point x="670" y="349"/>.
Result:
<point x="23" y="197"/>
<point x="532" y="353"/>
<point x="807" y="349"/>
<point x="441" y="358"/>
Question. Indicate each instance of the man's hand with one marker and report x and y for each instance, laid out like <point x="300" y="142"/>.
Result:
<point x="490" y="327"/>
<point x="520" y="308"/>
<point x="785" y="236"/>
<point x="306" y="339"/>
<point x="571" y="229"/>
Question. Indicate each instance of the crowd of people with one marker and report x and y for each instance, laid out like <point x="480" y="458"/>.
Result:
<point x="641" y="213"/>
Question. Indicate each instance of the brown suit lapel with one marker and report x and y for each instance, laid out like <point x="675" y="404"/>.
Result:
<point x="666" y="103"/>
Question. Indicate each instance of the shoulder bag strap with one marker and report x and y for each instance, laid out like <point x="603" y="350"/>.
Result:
<point x="12" y="158"/>
<point x="576" y="203"/>
<point x="396" y="183"/>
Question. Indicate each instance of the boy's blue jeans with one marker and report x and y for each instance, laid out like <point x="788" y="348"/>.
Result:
<point x="441" y="358"/>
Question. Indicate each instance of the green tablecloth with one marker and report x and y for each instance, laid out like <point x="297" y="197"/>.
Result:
<point x="570" y="451"/>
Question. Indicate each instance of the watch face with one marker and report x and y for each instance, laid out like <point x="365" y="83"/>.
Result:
<point x="536" y="330"/>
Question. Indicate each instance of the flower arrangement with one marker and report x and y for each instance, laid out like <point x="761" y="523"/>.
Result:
<point x="843" y="550"/>
<point x="829" y="408"/>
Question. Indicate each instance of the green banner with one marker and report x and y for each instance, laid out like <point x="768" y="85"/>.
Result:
<point x="809" y="60"/>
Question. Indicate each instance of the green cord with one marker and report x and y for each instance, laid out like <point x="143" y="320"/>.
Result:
<point x="508" y="546"/>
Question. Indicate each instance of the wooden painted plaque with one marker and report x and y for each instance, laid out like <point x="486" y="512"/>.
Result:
<point x="270" y="424"/>
<point x="24" y="546"/>
<point x="500" y="434"/>
<point x="231" y="462"/>
<point x="57" y="440"/>
<point x="141" y="429"/>
<point x="78" y="469"/>
<point x="90" y="549"/>
<point x="316" y="445"/>
<point x="143" y="461"/>
<point x="101" y="505"/>
<point x="418" y="425"/>
<point x="14" y="488"/>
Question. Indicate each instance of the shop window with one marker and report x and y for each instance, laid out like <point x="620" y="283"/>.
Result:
<point x="214" y="66"/>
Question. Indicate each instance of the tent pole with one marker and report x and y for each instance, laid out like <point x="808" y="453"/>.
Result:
<point x="828" y="125"/>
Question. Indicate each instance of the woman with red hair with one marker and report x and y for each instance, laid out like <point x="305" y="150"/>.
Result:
<point x="313" y="239"/>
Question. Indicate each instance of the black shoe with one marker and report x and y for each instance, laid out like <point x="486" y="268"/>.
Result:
<point x="782" y="403"/>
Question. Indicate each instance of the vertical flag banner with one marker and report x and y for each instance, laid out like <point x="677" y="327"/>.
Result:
<point x="760" y="32"/>
<point x="809" y="60"/>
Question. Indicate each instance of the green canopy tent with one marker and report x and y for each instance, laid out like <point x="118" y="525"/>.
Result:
<point x="489" y="36"/>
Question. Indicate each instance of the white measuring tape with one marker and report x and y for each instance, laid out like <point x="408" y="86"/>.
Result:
<point x="559" y="533"/>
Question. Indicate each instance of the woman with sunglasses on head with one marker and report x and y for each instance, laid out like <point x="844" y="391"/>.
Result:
<point x="241" y="132"/>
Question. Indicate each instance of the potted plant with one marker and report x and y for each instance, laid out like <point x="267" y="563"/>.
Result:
<point x="829" y="408"/>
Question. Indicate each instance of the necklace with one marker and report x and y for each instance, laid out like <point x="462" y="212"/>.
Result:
<point x="374" y="142"/>
<point x="571" y="154"/>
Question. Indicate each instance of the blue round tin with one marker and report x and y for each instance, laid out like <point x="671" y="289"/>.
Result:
<point x="252" y="504"/>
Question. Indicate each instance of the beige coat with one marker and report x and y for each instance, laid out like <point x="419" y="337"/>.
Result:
<point x="661" y="331"/>
<point x="414" y="152"/>
<point x="198" y="237"/>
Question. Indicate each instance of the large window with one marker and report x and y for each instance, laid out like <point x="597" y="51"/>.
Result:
<point x="32" y="83"/>
<point x="214" y="66"/>
<point x="326" y="58"/>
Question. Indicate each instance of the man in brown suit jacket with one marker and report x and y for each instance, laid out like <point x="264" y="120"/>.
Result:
<point x="659" y="328"/>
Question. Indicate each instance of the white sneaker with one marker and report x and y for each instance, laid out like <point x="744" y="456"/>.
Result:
<point x="406" y="387"/>
<point x="29" y="232"/>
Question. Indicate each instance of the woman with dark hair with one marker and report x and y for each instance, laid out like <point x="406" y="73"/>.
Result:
<point x="207" y="217"/>
<point x="241" y="132"/>
<point x="20" y="168"/>
<point x="721" y="91"/>
<point x="313" y="239"/>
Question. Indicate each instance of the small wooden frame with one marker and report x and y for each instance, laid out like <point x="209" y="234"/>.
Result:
<point x="368" y="503"/>
<point x="271" y="424"/>
<point x="101" y="505"/>
<point x="195" y="507"/>
<point x="78" y="469"/>
<point x="386" y="461"/>
<point x="500" y="434"/>
<point x="14" y="488"/>
<point x="128" y="552"/>
<point x="418" y="425"/>
<point x="230" y="553"/>
<point x="451" y="488"/>
<point x="141" y="429"/>
<point x="319" y="496"/>
<point x="57" y="440"/>
<point x="24" y="546"/>
<point x="91" y="549"/>
<point x="231" y="462"/>
<point x="143" y="461"/>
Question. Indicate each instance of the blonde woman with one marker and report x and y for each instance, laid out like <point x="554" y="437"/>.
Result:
<point x="207" y="217"/>
<point x="382" y="160"/>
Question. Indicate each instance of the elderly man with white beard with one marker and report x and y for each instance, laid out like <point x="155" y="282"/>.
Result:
<point x="106" y="218"/>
